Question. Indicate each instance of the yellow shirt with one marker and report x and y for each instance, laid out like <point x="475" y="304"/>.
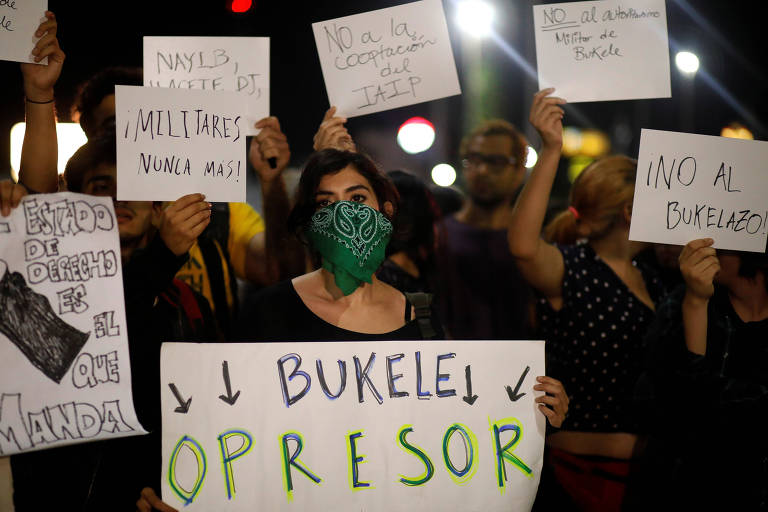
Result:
<point x="244" y="223"/>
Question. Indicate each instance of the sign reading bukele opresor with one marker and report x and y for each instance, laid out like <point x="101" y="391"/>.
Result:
<point x="373" y="426"/>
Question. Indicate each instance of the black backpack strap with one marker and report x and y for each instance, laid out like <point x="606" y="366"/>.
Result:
<point x="422" y="304"/>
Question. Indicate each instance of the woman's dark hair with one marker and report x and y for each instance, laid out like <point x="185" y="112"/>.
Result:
<point x="331" y="161"/>
<point x="99" y="86"/>
<point x="750" y="263"/>
<point x="100" y="150"/>
<point x="416" y="216"/>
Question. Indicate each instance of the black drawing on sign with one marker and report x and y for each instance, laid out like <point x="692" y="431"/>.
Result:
<point x="49" y="343"/>
<point x="228" y="397"/>
<point x="5" y="227"/>
<point x="513" y="394"/>
<point x="183" y="407"/>
<point x="469" y="398"/>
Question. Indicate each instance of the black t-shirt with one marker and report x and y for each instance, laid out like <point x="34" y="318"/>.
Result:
<point x="277" y="313"/>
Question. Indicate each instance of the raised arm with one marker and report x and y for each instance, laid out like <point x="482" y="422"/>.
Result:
<point x="272" y="255"/>
<point x="699" y="265"/>
<point x="540" y="263"/>
<point x="39" y="152"/>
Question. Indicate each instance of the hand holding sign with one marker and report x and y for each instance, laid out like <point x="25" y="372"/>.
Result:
<point x="10" y="195"/>
<point x="182" y="222"/>
<point x="333" y="134"/>
<point x="271" y="143"/>
<point x="699" y="265"/>
<point x="40" y="79"/>
<point x="547" y="117"/>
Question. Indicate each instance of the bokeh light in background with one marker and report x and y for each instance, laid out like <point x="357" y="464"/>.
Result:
<point x="475" y="17"/>
<point x="687" y="62"/>
<point x="443" y="175"/>
<point x="737" y="131"/>
<point x="70" y="137"/>
<point x="416" y="135"/>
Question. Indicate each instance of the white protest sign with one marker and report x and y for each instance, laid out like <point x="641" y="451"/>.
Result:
<point x="698" y="186"/>
<point x="19" y="20"/>
<point x="65" y="374"/>
<point x="239" y="64"/>
<point x="350" y="426"/>
<point x="173" y="142"/>
<point x="386" y="59"/>
<point x="605" y="50"/>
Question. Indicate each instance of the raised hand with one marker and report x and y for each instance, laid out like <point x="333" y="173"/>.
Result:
<point x="547" y="117"/>
<point x="699" y="265"/>
<point x="182" y="222"/>
<point x="332" y="134"/>
<point x="270" y="143"/>
<point x="40" y="79"/>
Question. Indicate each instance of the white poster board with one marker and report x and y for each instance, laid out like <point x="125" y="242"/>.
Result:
<point x="65" y="374"/>
<point x="604" y="50"/>
<point x="699" y="186"/>
<point x="385" y="59"/>
<point x="19" y="20"/>
<point x="388" y="426"/>
<point x="173" y="142"/>
<point x="239" y="64"/>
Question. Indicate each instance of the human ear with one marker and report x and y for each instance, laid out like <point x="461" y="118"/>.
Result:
<point x="388" y="209"/>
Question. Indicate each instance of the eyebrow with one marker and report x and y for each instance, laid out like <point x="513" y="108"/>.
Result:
<point x="348" y="189"/>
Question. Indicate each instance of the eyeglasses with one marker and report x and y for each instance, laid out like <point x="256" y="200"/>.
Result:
<point x="495" y="163"/>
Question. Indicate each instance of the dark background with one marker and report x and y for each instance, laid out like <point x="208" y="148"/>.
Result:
<point x="728" y="36"/>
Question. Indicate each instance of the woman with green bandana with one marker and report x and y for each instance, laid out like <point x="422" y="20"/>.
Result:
<point x="343" y="212"/>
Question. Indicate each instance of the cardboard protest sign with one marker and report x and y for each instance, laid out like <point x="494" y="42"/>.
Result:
<point x="351" y="426"/>
<point x="698" y="186"/>
<point x="386" y="59"/>
<point x="65" y="375"/>
<point x="239" y="64"/>
<point x="604" y="50"/>
<point x="173" y="142"/>
<point x="19" y="20"/>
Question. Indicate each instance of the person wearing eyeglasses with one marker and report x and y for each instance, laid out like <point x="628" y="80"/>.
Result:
<point x="480" y="292"/>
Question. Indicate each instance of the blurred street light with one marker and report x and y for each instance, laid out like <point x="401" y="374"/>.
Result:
<point x="531" y="158"/>
<point x="443" y="175"/>
<point x="687" y="62"/>
<point x="416" y="135"/>
<point x="475" y="17"/>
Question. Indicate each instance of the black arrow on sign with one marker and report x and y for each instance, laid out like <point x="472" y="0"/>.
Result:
<point x="513" y="393"/>
<point x="470" y="398"/>
<point x="183" y="406"/>
<point x="228" y="397"/>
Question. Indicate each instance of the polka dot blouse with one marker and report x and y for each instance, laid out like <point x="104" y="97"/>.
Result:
<point x="595" y="342"/>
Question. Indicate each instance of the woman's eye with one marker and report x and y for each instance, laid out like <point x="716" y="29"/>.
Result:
<point x="359" y="198"/>
<point x="323" y="203"/>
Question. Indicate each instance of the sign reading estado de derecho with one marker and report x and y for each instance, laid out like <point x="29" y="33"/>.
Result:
<point x="375" y="426"/>
<point x="699" y="186"/>
<point x="65" y="374"/>
<point x="173" y="142"/>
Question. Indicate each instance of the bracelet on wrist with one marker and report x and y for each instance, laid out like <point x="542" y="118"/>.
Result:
<point x="39" y="102"/>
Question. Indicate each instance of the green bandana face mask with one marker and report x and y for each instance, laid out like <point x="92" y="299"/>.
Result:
<point x="352" y="238"/>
